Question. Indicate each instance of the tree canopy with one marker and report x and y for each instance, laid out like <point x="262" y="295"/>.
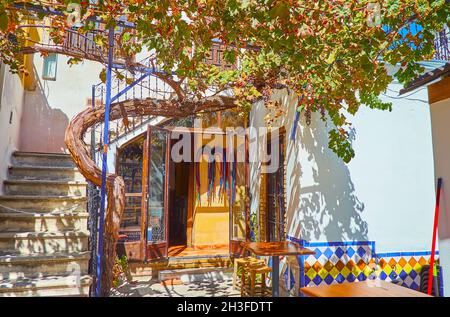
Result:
<point x="331" y="53"/>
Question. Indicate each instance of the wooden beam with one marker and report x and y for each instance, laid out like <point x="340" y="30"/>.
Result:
<point x="439" y="91"/>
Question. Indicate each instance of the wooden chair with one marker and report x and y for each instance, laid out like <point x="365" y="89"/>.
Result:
<point x="435" y="287"/>
<point x="239" y="264"/>
<point x="250" y="287"/>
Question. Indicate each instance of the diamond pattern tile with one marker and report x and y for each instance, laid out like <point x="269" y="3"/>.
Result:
<point x="402" y="262"/>
<point x="317" y="280"/>
<point x="392" y="262"/>
<point x="339" y="252"/>
<point x="334" y="259"/>
<point x="350" y="252"/>
<point x="361" y="276"/>
<point x="403" y="274"/>
<point x="361" y="251"/>
<point x="412" y="261"/>
<point x="414" y="285"/>
<point x="345" y="271"/>
<point x="317" y="266"/>
<point x="422" y="261"/>
<point x="351" y="277"/>
<point x="361" y="264"/>
<point x="333" y="264"/>
<point x="323" y="273"/>
<point x="382" y="275"/>
<point x="328" y="253"/>
<point x="328" y="266"/>
<point x="318" y="253"/>
<point x="340" y="265"/>
<point x="311" y="273"/>
<point x="340" y="278"/>
<point x="350" y="265"/>
<point x="334" y="272"/>
<point x="328" y="279"/>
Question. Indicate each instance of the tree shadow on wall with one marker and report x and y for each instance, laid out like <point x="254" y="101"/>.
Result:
<point x="43" y="127"/>
<point x="330" y="208"/>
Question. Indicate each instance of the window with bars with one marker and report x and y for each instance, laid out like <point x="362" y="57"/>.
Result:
<point x="275" y="193"/>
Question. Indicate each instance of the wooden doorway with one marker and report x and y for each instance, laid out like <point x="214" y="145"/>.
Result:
<point x="166" y="207"/>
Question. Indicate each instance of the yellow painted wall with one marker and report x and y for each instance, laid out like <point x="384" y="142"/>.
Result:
<point x="210" y="226"/>
<point x="211" y="217"/>
<point x="28" y="78"/>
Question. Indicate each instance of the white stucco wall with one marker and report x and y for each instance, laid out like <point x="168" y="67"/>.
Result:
<point x="11" y="102"/>
<point x="52" y="104"/>
<point x="385" y="194"/>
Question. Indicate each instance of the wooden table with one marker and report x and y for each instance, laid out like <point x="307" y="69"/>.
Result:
<point x="372" y="288"/>
<point x="275" y="250"/>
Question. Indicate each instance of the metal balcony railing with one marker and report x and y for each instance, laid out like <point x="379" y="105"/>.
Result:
<point x="72" y="43"/>
<point x="441" y="47"/>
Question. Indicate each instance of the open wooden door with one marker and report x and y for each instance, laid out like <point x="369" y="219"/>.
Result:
<point x="156" y="225"/>
<point x="239" y="197"/>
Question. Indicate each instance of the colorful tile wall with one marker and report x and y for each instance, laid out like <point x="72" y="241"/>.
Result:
<point x="404" y="267"/>
<point x="338" y="262"/>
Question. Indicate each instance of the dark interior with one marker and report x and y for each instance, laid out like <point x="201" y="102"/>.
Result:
<point x="178" y="198"/>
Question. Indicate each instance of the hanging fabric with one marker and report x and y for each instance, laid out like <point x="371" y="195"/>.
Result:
<point x="224" y="172"/>
<point x="197" y="160"/>
<point x="296" y="121"/>
<point x="233" y="181"/>
<point x="211" y="176"/>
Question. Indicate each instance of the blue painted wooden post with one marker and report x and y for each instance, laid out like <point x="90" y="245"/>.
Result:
<point x="93" y="204"/>
<point x="104" y="161"/>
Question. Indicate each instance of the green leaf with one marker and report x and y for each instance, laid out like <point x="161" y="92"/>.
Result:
<point x="126" y="37"/>
<point x="331" y="58"/>
<point x="3" y="21"/>
<point x="74" y="61"/>
<point x="340" y="145"/>
<point x="102" y="75"/>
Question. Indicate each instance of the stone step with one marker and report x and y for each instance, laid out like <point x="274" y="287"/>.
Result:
<point x="43" y="204"/>
<point x="43" y="221"/>
<point x="146" y="271"/>
<point x="45" y="173"/>
<point x="26" y="243"/>
<point x="197" y="275"/>
<point x="14" y="267"/>
<point x="42" y="159"/>
<point x="45" y="187"/>
<point x="46" y="286"/>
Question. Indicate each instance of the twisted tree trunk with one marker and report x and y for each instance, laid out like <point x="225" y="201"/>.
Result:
<point x="115" y="185"/>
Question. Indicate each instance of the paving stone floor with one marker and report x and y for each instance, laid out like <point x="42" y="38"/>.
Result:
<point x="168" y="289"/>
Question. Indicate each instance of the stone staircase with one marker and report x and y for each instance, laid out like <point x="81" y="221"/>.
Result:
<point x="43" y="228"/>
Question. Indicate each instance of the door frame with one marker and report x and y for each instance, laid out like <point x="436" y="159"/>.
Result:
<point x="282" y="231"/>
<point x="160" y="248"/>
<point x="235" y="246"/>
<point x="133" y="247"/>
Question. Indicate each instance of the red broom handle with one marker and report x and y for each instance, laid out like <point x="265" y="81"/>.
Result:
<point x="433" y="243"/>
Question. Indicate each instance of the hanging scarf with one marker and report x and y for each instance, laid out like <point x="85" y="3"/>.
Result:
<point x="223" y="176"/>
<point x="224" y="171"/>
<point x="233" y="181"/>
<point x="211" y="177"/>
<point x="197" y="160"/>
